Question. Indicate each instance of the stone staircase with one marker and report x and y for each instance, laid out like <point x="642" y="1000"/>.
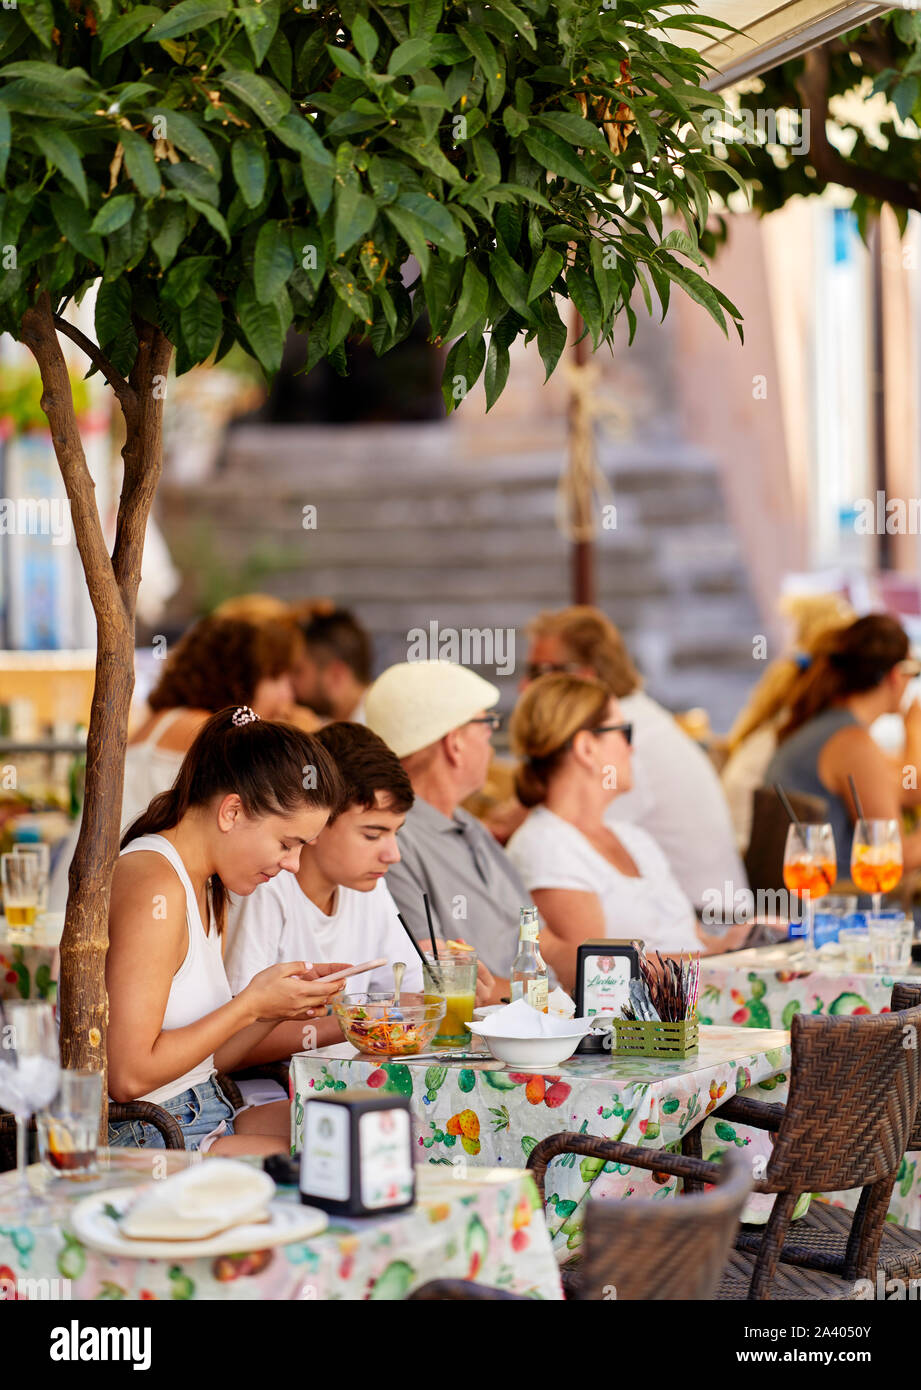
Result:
<point x="455" y="524"/>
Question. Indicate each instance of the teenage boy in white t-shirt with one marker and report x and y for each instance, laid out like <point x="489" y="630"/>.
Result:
<point x="336" y="907"/>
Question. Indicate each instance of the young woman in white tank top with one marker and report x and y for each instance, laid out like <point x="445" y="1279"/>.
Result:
<point x="238" y="814"/>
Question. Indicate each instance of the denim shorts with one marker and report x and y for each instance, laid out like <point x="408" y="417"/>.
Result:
<point x="199" y="1111"/>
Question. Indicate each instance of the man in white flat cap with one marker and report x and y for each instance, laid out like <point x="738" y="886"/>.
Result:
<point x="434" y="716"/>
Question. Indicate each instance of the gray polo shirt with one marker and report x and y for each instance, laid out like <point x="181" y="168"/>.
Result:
<point x="474" y="889"/>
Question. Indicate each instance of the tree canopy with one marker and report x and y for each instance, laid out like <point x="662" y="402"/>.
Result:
<point x="232" y="170"/>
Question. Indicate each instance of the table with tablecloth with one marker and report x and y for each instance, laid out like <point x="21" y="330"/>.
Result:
<point x="484" y="1225"/>
<point x="30" y="960"/>
<point x="478" y="1112"/>
<point x="764" y="987"/>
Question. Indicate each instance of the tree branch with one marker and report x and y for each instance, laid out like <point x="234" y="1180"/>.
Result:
<point x="115" y="379"/>
<point x="832" y="167"/>
<point x="40" y="337"/>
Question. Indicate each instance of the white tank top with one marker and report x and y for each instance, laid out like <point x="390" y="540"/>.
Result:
<point x="200" y="984"/>
<point x="149" y="769"/>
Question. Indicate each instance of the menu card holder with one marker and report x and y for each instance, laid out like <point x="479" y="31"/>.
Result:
<point x="357" y="1158"/>
<point x="604" y="968"/>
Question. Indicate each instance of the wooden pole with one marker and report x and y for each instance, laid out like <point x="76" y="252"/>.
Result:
<point x="583" y="551"/>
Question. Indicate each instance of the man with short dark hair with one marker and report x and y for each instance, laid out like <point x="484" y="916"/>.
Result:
<point x="333" y="669"/>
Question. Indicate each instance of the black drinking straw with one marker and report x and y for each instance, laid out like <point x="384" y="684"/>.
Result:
<point x="416" y="947"/>
<point x="854" y="794"/>
<point x="794" y="818"/>
<point x="428" y="914"/>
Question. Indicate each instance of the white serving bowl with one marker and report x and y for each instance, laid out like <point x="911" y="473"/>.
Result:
<point x="523" y="1053"/>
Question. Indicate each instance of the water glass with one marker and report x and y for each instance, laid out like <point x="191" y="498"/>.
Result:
<point x="890" y="943"/>
<point x="856" y="943"/>
<point x="30" y="1072"/>
<point x="836" y="911"/>
<point x="41" y="852"/>
<point x="22" y="886"/>
<point x="68" y="1130"/>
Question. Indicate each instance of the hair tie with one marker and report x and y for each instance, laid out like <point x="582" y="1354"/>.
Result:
<point x="803" y="660"/>
<point x="243" y="715"/>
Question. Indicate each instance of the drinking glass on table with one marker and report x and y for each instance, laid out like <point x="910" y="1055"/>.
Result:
<point x="30" y="1073"/>
<point x="890" y="943"/>
<point x="452" y="977"/>
<point x="876" y="857"/>
<point x="810" y="867"/>
<point x="41" y="852"/>
<point x="21" y="875"/>
<point x="68" y="1129"/>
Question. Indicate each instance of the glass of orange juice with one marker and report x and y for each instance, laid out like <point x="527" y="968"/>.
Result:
<point x="453" y="978"/>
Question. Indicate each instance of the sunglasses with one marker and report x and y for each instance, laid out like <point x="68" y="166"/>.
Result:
<point x="547" y="668"/>
<point x="625" y="729"/>
<point x="493" y="720"/>
<point x="909" y="668"/>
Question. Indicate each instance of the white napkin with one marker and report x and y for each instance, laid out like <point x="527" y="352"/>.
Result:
<point x="212" y="1196"/>
<point x="560" y="1003"/>
<point x="520" y="1020"/>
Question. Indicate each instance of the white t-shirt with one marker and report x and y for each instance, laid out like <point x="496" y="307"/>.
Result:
<point x="278" y="922"/>
<point x="549" y="852"/>
<point x="676" y="798"/>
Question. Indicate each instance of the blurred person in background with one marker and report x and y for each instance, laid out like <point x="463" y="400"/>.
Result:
<point x="433" y="715"/>
<point x="332" y="671"/>
<point x="586" y="879"/>
<point x="856" y="674"/>
<point x="675" y="793"/>
<point x="262" y="609"/>
<point x="217" y="662"/>
<point x="753" y="737"/>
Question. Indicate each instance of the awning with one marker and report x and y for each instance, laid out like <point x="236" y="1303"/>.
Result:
<point x="772" y="32"/>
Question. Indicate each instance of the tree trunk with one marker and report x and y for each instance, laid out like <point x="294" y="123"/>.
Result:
<point x="112" y="583"/>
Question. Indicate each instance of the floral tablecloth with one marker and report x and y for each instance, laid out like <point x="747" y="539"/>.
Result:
<point x="484" y="1226"/>
<point x="29" y="963"/>
<point x="482" y="1113"/>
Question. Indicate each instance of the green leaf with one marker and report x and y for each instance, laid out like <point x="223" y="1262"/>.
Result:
<point x="6" y="137"/>
<point x="39" y="16"/>
<point x="345" y="61"/>
<point x="201" y="324"/>
<point x="481" y="46"/>
<point x="471" y="305"/>
<point x="124" y="30"/>
<point x="318" y="179"/>
<point x="696" y="287"/>
<point x="340" y="322"/>
<point x="424" y="17"/>
<point x="436" y="222"/>
<point x="584" y="294"/>
<point x="648" y="132"/>
<point x="186" y="280"/>
<point x="61" y="152"/>
<point x="273" y="261"/>
<point x="548" y="267"/>
<point x="497" y="367"/>
<point x="554" y="154"/>
<point x="551" y="337"/>
<point x="409" y="56"/>
<point x="574" y="130"/>
<point x="250" y="165"/>
<point x="211" y="215"/>
<point x="267" y="100"/>
<point x="263" y="328"/>
<point x="260" y="21"/>
<point x="364" y="36"/>
<point x="74" y="222"/>
<point x="516" y="17"/>
<point x="113" y="214"/>
<point x="904" y="96"/>
<point x="298" y="134"/>
<point x="140" y="163"/>
<point x="186" y="135"/>
<point x="186" y="17"/>
<point x="171" y="233"/>
<point x="113" y="310"/>
<point x="355" y="214"/>
<point x="514" y="121"/>
<point x="511" y="279"/>
<point x="343" y="282"/>
<point x="463" y="366"/>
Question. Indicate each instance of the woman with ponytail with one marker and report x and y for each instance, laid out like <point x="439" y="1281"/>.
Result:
<point x="249" y="794"/>
<point x="587" y="881"/>
<point x="856" y="674"/>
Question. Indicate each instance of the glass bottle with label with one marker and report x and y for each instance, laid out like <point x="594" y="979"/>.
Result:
<point x="529" y="978"/>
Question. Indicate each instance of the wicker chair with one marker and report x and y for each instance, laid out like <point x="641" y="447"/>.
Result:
<point x="768" y="838"/>
<point x="636" y="1251"/>
<point x="818" y="1147"/>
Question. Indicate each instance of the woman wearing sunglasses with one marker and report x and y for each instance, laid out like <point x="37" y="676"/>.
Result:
<point x="585" y="880"/>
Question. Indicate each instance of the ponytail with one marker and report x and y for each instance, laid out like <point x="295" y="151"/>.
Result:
<point x="274" y="768"/>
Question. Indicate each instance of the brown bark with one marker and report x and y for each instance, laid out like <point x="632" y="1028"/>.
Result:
<point x="112" y="584"/>
<point x="831" y="166"/>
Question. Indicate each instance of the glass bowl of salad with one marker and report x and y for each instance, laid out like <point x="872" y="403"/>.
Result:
<point x="372" y="1024"/>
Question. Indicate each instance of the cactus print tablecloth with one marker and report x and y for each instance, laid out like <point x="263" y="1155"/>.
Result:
<point x="29" y="965"/>
<point x="478" y="1113"/>
<point x="485" y="1227"/>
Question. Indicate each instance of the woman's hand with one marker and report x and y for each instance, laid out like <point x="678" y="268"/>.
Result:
<point x="485" y="984"/>
<point x="294" y="989"/>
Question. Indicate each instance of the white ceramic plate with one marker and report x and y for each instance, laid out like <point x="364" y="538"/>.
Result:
<point x="288" y="1221"/>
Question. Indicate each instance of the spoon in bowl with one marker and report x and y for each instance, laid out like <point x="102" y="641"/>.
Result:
<point x="399" y="970"/>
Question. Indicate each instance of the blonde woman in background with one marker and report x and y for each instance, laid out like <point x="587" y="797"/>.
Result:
<point x="585" y="879"/>
<point x="753" y="737"/>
